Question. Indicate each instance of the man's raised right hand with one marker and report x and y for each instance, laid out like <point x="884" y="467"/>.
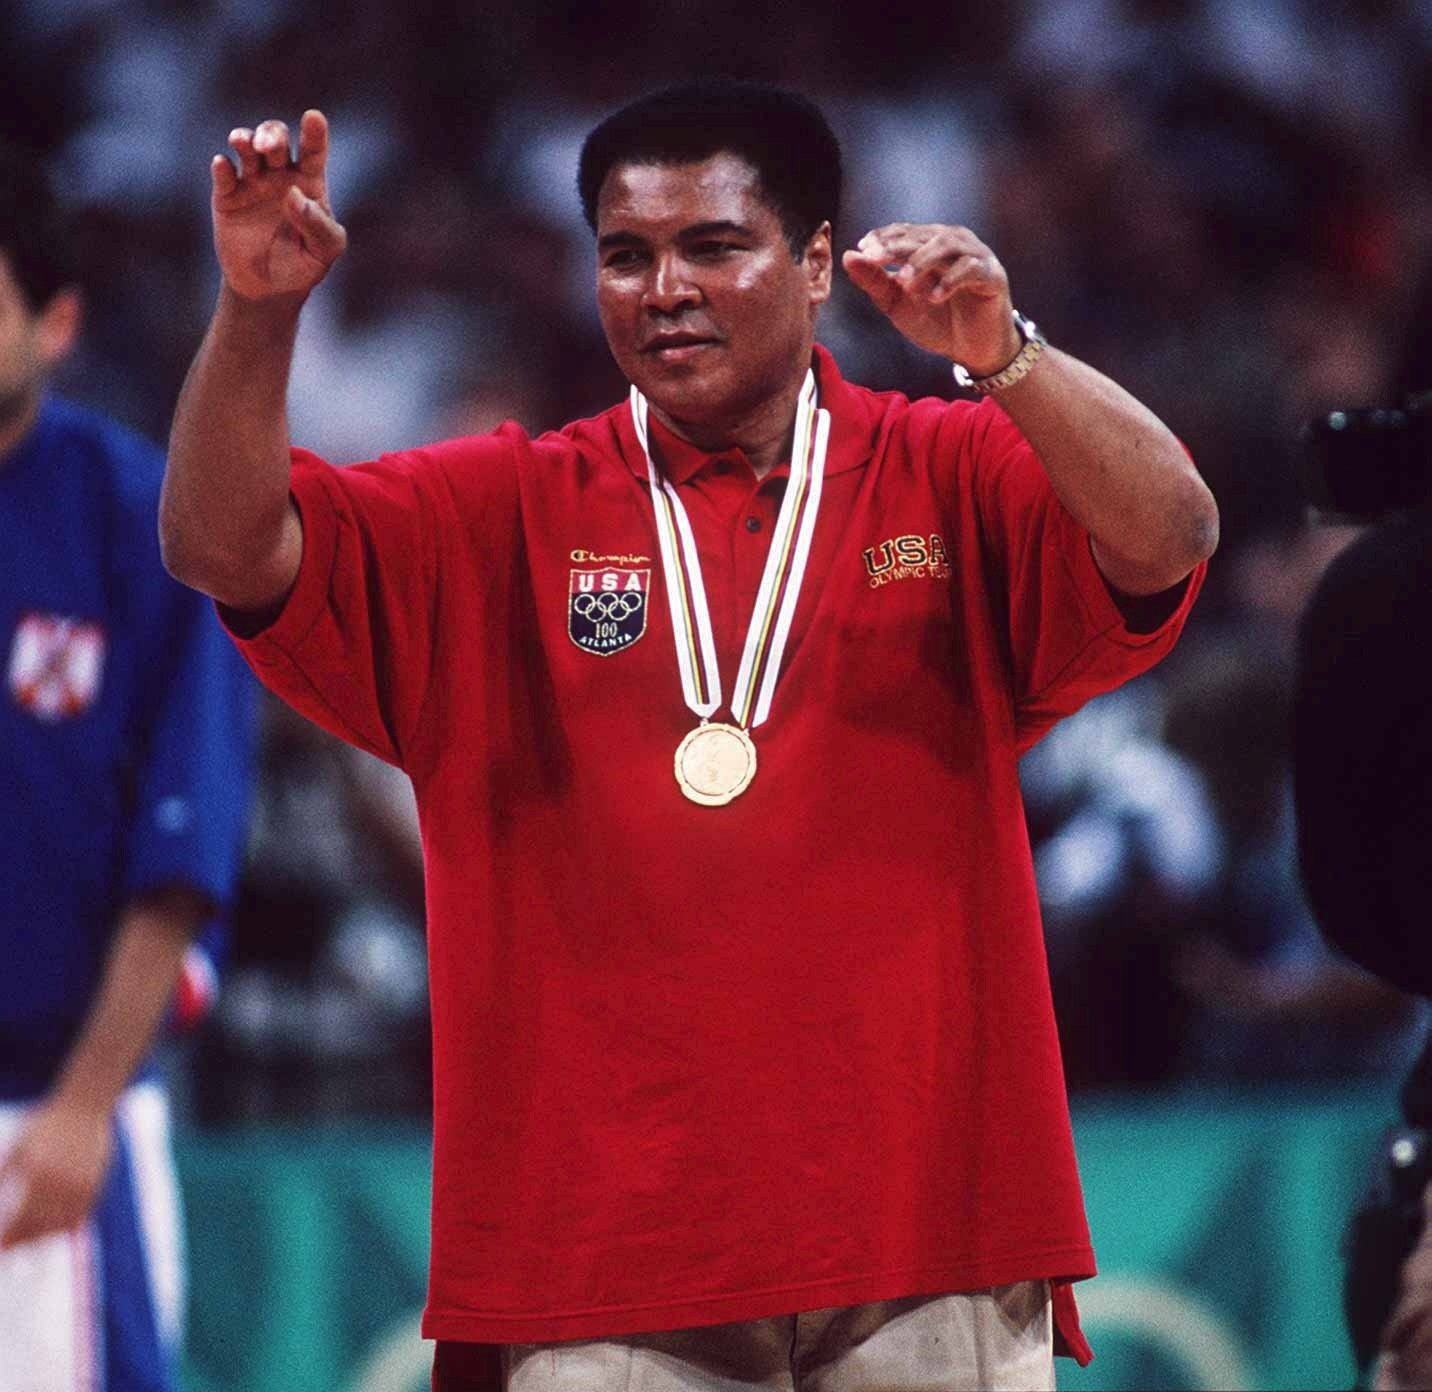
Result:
<point x="274" y="231"/>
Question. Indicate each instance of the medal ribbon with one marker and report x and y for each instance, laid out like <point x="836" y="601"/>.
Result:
<point x="780" y="587"/>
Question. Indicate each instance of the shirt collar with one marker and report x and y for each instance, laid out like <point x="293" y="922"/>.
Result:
<point x="851" y="437"/>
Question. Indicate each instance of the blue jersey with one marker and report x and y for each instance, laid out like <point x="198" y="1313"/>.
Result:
<point x="126" y="727"/>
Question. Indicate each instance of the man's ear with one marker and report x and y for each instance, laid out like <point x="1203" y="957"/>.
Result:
<point x="57" y="326"/>
<point x="818" y="263"/>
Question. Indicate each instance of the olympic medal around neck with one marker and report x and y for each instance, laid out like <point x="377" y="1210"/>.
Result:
<point x="716" y="761"/>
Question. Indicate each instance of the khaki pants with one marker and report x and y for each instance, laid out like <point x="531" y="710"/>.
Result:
<point x="996" y="1340"/>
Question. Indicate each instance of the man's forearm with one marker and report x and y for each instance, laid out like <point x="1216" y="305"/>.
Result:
<point x="226" y="523"/>
<point x="1119" y="471"/>
<point x="51" y="1175"/>
<point x="143" y="968"/>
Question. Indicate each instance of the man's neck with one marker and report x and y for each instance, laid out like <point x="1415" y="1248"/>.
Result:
<point x="17" y="419"/>
<point x="763" y="436"/>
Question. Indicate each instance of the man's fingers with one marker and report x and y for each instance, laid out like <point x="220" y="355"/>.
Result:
<point x="13" y="1193"/>
<point x="943" y="260"/>
<point x="322" y="235"/>
<point x="37" y="1218"/>
<point x="919" y="241"/>
<point x="34" y="1203"/>
<point x="891" y="233"/>
<point x="938" y="277"/>
<point x="869" y="274"/>
<point x="872" y="248"/>
<point x="312" y="142"/>
<point x="225" y="179"/>
<point x="941" y="247"/>
<point x="901" y="240"/>
<point x="241" y="142"/>
<point x="24" y="1226"/>
<point x="967" y="274"/>
<point x="271" y="144"/>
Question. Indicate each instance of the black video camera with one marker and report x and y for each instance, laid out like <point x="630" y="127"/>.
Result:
<point x="1365" y="465"/>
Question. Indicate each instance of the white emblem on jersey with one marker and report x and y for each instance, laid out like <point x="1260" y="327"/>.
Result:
<point x="56" y="665"/>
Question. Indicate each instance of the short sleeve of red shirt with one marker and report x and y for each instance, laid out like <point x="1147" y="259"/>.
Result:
<point x="1068" y="641"/>
<point x="354" y="645"/>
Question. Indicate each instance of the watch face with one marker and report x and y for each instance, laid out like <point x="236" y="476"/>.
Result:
<point x="1026" y="327"/>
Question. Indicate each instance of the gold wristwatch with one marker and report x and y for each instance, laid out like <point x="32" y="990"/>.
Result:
<point x="1018" y="366"/>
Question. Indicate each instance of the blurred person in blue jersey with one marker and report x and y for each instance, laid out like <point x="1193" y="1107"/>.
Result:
<point x="125" y="750"/>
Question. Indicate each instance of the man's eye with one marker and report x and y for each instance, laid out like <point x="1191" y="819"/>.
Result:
<point x="711" y="250"/>
<point x="626" y="259"/>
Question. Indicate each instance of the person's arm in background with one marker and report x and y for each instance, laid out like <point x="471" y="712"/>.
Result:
<point x="192" y="767"/>
<point x="227" y="525"/>
<point x="1113" y="464"/>
<point x="50" y="1179"/>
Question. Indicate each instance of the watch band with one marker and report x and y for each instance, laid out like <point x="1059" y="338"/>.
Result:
<point x="1015" y="370"/>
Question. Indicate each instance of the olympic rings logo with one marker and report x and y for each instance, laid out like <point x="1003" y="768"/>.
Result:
<point x="607" y="606"/>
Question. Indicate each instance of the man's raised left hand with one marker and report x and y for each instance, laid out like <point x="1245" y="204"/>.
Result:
<point x="943" y="288"/>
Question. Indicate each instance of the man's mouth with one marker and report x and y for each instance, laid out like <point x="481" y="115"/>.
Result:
<point x="678" y="347"/>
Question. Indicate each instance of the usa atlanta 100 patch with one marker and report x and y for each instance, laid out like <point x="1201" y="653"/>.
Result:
<point x="606" y="609"/>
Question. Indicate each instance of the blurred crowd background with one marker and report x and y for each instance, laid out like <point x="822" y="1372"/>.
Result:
<point x="1224" y="204"/>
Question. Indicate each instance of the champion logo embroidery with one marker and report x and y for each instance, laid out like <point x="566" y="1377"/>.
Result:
<point x="584" y="557"/>
<point x="909" y="557"/>
<point x="56" y="665"/>
<point x="606" y="608"/>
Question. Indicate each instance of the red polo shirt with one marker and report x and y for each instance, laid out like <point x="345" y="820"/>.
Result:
<point x="693" y="1064"/>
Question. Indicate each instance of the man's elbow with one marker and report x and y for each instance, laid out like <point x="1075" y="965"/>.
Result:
<point x="1188" y="532"/>
<point x="182" y="558"/>
<point x="174" y="549"/>
<point x="252" y="572"/>
<point x="1190" y="539"/>
<point x="1154" y="558"/>
<point x="202" y="566"/>
<point x="1198" y="529"/>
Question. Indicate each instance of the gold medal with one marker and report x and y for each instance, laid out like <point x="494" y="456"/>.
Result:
<point x="715" y="763"/>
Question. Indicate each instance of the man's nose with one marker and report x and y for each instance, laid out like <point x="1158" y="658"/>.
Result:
<point x="670" y="287"/>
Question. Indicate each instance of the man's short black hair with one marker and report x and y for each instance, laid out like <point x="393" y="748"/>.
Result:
<point x="781" y="134"/>
<point x="34" y="232"/>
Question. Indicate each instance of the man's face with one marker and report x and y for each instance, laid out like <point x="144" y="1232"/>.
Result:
<point x="704" y="307"/>
<point x="22" y="364"/>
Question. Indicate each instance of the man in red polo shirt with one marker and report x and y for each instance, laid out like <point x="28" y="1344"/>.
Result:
<point x="745" y="1066"/>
